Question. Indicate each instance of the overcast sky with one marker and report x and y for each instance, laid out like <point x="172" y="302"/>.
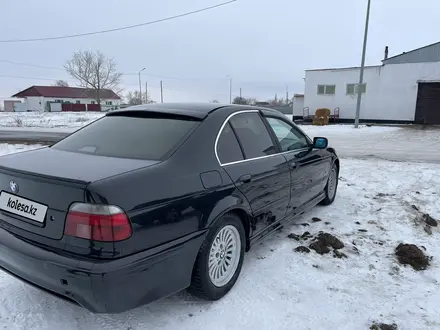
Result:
<point x="263" y="44"/>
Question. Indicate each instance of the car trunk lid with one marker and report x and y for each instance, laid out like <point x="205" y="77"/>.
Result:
<point x="37" y="187"/>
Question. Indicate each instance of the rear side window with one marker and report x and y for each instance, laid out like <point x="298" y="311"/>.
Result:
<point x="228" y="149"/>
<point x="253" y="135"/>
<point x="129" y="137"/>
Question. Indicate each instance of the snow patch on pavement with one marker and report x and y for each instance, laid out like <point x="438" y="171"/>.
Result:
<point x="282" y="289"/>
<point x="394" y="143"/>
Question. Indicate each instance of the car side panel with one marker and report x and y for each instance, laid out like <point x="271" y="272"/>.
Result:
<point x="309" y="170"/>
<point x="268" y="191"/>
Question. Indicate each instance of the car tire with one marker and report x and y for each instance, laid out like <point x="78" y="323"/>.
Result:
<point x="209" y="279"/>
<point x="332" y="186"/>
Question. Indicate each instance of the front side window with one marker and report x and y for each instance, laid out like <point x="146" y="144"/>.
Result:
<point x="288" y="136"/>
<point x="129" y="136"/>
<point x="228" y="149"/>
<point x="253" y="135"/>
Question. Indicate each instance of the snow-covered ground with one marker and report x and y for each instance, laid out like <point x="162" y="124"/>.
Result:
<point x="47" y="119"/>
<point x="282" y="289"/>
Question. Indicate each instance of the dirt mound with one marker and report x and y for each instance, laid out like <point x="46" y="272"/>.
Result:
<point x="430" y="220"/>
<point x="294" y="236"/>
<point x="302" y="249"/>
<point x="410" y="254"/>
<point x="324" y="241"/>
<point x="383" y="326"/>
<point x="305" y="236"/>
<point x="339" y="255"/>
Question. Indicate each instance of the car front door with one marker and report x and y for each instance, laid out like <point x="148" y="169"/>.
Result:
<point x="309" y="167"/>
<point x="261" y="173"/>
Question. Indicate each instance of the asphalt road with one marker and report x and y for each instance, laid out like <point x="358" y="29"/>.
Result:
<point x="31" y="136"/>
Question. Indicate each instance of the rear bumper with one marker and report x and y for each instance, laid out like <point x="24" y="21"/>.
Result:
<point x="103" y="287"/>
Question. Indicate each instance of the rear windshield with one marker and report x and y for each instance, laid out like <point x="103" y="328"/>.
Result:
<point x="129" y="137"/>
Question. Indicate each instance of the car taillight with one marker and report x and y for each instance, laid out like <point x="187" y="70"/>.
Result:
<point x="104" y="223"/>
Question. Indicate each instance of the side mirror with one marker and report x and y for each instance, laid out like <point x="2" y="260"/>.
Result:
<point x="320" y="143"/>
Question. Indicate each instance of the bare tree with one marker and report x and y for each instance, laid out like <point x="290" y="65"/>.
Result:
<point x="215" y="101"/>
<point x="94" y="71"/>
<point x="133" y="98"/>
<point x="239" y="100"/>
<point x="61" y="83"/>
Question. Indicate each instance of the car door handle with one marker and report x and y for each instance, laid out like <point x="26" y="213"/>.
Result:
<point x="246" y="178"/>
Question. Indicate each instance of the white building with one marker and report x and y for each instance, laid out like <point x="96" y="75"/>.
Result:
<point x="298" y="106"/>
<point x="55" y="98"/>
<point x="405" y="88"/>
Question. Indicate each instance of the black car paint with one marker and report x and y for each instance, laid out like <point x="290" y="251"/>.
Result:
<point x="170" y="213"/>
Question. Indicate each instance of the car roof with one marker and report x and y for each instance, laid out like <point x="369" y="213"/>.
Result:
<point x="194" y="110"/>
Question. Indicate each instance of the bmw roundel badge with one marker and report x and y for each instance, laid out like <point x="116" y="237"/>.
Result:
<point x="14" y="186"/>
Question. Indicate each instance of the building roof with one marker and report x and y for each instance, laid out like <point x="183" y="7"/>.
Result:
<point x="429" y="53"/>
<point x="66" y="92"/>
<point x="345" y="68"/>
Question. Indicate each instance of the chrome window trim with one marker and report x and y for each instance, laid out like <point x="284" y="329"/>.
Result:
<point x="221" y="130"/>
<point x="262" y="157"/>
<point x="249" y="159"/>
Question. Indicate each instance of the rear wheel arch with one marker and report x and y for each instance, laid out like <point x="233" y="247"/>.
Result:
<point x="202" y="284"/>
<point x="245" y="218"/>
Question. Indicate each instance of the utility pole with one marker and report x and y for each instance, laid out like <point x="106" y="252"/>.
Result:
<point x="146" y="92"/>
<point x="161" y="92"/>
<point x="287" y="94"/>
<point x="240" y="92"/>
<point x="361" y="75"/>
<point x="230" y="89"/>
<point x="140" y="86"/>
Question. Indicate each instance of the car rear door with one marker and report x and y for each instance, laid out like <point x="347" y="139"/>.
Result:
<point x="248" y="153"/>
<point x="309" y="167"/>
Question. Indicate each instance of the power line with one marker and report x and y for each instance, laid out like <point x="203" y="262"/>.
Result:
<point x="32" y="65"/>
<point x="119" y="29"/>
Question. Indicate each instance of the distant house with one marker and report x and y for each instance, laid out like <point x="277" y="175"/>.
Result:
<point x="55" y="98"/>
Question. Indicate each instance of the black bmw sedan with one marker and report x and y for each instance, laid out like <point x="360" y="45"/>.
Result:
<point x="153" y="199"/>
